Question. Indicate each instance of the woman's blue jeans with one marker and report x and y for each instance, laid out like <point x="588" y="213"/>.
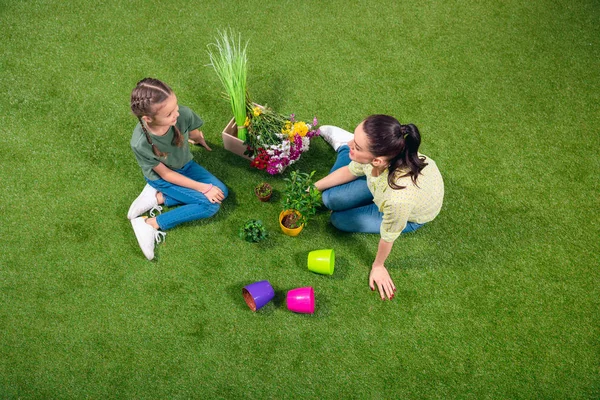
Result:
<point x="352" y="203"/>
<point x="192" y="204"/>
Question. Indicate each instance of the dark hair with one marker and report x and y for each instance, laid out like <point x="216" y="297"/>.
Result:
<point x="400" y="143"/>
<point x="147" y="93"/>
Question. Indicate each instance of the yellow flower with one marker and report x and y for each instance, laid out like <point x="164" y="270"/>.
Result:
<point x="247" y="122"/>
<point x="300" y="128"/>
<point x="256" y="111"/>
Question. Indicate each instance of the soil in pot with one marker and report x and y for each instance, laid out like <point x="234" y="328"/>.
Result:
<point x="290" y="221"/>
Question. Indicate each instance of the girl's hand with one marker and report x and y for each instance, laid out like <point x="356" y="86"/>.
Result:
<point x="197" y="137"/>
<point x="215" y="195"/>
<point x="380" y="276"/>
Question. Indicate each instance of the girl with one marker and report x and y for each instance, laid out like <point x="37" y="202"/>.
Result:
<point x="159" y="143"/>
<point x="380" y="184"/>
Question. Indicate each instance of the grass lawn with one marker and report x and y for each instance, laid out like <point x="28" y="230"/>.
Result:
<point x="498" y="297"/>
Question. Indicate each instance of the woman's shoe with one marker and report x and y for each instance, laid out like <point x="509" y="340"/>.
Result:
<point x="335" y="136"/>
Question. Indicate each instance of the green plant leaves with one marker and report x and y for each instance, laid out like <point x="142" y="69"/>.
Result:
<point x="253" y="231"/>
<point x="300" y="194"/>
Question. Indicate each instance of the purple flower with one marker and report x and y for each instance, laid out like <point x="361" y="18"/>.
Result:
<point x="315" y="122"/>
<point x="293" y="117"/>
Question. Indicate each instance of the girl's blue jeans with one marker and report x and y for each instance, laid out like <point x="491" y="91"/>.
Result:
<point x="192" y="204"/>
<point x="352" y="203"/>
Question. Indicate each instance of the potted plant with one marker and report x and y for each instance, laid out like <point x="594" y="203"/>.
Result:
<point x="300" y="201"/>
<point x="229" y="60"/>
<point x="263" y="191"/>
<point x="253" y="231"/>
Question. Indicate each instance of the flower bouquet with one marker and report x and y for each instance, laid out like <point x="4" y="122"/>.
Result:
<point x="275" y="141"/>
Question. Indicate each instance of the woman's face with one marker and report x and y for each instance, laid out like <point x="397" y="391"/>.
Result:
<point x="359" y="146"/>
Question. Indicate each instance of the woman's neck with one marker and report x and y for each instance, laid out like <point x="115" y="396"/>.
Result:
<point x="376" y="171"/>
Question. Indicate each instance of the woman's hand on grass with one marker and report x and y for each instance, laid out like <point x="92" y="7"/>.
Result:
<point x="380" y="276"/>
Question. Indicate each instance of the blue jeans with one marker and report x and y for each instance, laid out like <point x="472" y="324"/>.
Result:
<point x="352" y="203"/>
<point x="193" y="204"/>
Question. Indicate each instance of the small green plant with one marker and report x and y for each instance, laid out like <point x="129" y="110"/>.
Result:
<point x="300" y="194"/>
<point x="253" y="231"/>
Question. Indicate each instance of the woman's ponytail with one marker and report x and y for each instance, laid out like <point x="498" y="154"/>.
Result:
<point x="400" y="143"/>
<point x="412" y="141"/>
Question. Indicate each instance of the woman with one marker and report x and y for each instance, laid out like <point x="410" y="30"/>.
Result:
<point x="380" y="184"/>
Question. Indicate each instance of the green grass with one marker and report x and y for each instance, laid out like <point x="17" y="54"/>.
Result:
<point x="497" y="298"/>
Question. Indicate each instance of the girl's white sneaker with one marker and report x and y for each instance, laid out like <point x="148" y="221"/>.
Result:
<point x="335" y="136"/>
<point x="144" y="202"/>
<point x="146" y="236"/>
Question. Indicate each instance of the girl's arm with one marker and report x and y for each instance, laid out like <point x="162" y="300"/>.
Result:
<point x="337" y="177"/>
<point x="379" y="274"/>
<point x="213" y="193"/>
<point x="197" y="137"/>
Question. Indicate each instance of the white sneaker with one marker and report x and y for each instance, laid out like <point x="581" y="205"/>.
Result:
<point x="144" y="202"/>
<point x="335" y="136"/>
<point x="146" y="236"/>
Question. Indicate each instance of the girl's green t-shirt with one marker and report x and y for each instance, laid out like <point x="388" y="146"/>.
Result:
<point x="176" y="156"/>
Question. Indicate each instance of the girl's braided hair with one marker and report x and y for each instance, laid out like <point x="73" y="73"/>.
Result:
<point x="147" y="93"/>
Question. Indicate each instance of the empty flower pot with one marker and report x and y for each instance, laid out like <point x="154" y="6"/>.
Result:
<point x="301" y="300"/>
<point x="321" y="261"/>
<point x="258" y="294"/>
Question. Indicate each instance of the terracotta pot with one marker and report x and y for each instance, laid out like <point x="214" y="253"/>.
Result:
<point x="263" y="198"/>
<point x="286" y="230"/>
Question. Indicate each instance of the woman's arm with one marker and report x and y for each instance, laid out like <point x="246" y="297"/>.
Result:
<point x="379" y="274"/>
<point x="337" y="177"/>
<point x="213" y="193"/>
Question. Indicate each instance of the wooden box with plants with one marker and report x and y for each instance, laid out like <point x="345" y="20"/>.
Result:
<point x="272" y="141"/>
<point x="229" y="60"/>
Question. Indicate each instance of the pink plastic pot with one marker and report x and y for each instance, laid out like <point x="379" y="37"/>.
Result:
<point x="301" y="300"/>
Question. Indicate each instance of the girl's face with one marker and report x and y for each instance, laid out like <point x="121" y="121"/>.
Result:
<point x="165" y="113"/>
<point x="359" y="146"/>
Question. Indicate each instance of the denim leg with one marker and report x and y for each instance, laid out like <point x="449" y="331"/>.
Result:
<point x="348" y="195"/>
<point x="193" y="204"/>
<point x="365" y="219"/>
<point x="343" y="157"/>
